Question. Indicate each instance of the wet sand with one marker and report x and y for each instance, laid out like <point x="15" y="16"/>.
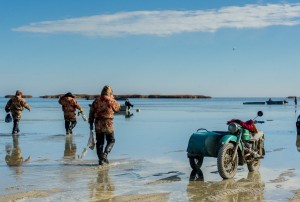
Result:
<point x="28" y="195"/>
<point x="137" y="180"/>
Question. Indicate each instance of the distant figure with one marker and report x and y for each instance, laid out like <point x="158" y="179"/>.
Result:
<point x="270" y="99"/>
<point x="128" y="104"/>
<point x="16" y="105"/>
<point x="102" y="115"/>
<point x="295" y="100"/>
<point x="69" y="106"/>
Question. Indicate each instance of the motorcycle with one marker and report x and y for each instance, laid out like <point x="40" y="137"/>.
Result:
<point x="241" y="144"/>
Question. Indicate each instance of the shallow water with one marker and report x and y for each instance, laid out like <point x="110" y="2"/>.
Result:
<point x="149" y="156"/>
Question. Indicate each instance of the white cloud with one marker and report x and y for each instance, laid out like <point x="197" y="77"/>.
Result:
<point x="171" y="22"/>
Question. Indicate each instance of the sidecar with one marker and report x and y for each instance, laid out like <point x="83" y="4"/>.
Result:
<point x="205" y="143"/>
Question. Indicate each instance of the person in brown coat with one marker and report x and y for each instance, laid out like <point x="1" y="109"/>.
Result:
<point x="102" y="114"/>
<point x="69" y="106"/>
<point x="15" y="105"/>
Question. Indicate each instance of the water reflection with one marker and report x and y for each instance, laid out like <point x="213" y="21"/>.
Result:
<point x="298" y="142"/>
<point x="101" y="188"/>
<point x="249" y="189"/>
<point x="127" y="114"/>
<point x="70" y="148"/>
<point x="13" y="153"/>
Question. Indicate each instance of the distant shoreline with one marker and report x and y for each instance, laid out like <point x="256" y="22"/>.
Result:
<point x="23" y="96"/>
<point x="120" y="97"/>
<point x="125" y="96"/>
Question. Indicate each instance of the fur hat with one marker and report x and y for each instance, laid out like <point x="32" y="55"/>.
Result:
<point x="19" y="93"/>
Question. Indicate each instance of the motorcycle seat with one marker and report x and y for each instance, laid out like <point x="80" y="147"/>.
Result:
<point x="258" y="135"/>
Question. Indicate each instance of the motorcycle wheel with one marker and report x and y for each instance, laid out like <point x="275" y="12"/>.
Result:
<point x="226" y="166"/>
<point x="196" y="162"/>
<point x="254" y="166"/>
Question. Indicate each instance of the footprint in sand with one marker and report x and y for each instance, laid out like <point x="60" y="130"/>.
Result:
<point x="283" y="176"/>
<point x="170" y="179"/>
<point x="278" y="149"/>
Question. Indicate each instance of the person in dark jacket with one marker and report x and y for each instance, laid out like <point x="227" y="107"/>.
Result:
<point x="128" y="104"/>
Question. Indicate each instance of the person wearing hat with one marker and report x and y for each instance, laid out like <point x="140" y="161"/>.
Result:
<point x="101" y="115"/>
<point x="15" y="105"/>
<point x="69" y="106"/>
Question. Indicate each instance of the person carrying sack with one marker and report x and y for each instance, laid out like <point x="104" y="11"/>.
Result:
<point x="69" y="106"/>
<point x="102" y="114"/>
<point x="15" y="106"/>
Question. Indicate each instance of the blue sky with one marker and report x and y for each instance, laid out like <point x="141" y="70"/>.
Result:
<point x="216" y="48"/>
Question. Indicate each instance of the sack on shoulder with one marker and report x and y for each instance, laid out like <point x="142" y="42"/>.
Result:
<point x="91" y="143"/>
<point x="8" y="118"/>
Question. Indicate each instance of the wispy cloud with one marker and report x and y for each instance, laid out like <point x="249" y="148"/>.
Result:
<point x="168" y="22"/>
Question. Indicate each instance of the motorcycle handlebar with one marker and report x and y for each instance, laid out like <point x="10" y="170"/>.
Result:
<point x="259" y="122"/>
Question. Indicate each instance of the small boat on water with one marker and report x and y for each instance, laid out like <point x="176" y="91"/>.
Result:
<point x="124" y="108"/>
<point x="271" y="102"/>
<point x="254" y="103"/>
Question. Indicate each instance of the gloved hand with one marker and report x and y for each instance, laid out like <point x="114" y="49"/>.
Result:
<point x="79" y="112"/>
<point x="91" y="127"/>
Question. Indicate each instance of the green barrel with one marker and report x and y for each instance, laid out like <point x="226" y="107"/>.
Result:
<point x="205" y="143"/>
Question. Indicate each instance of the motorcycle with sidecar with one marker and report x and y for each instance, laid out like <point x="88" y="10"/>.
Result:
<point x="241" y="144"/>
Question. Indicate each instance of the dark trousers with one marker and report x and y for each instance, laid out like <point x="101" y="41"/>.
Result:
<point x="69" y="125"/>
<point x="110" y="141"/>
<point x="16" y="126"/>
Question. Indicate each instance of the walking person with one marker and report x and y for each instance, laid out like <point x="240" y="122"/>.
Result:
<point x="69" y="106"/>
<point x="128" y="104"/>
<point x="102" y="114"/>
<point x="15" y="106"/>
<point x="295" y="100"/>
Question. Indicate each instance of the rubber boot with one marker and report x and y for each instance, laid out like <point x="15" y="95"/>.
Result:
<point x="101" y="163"/>
<point x="73" y="124"/>
<point x="105" y="160"/>
<point x="108" y="148"/>
<point x="100" y="154"/>
<point x="67" y="126"/>
<point x="16" y="127"/>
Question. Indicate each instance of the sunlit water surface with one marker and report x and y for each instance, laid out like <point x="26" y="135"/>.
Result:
<point x="149" y="155"/>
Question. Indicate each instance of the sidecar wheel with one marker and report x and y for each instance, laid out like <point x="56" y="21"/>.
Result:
<point x="227" y="166"/>
<point x="196" y="162"/>
<point x="254" y="166"/>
